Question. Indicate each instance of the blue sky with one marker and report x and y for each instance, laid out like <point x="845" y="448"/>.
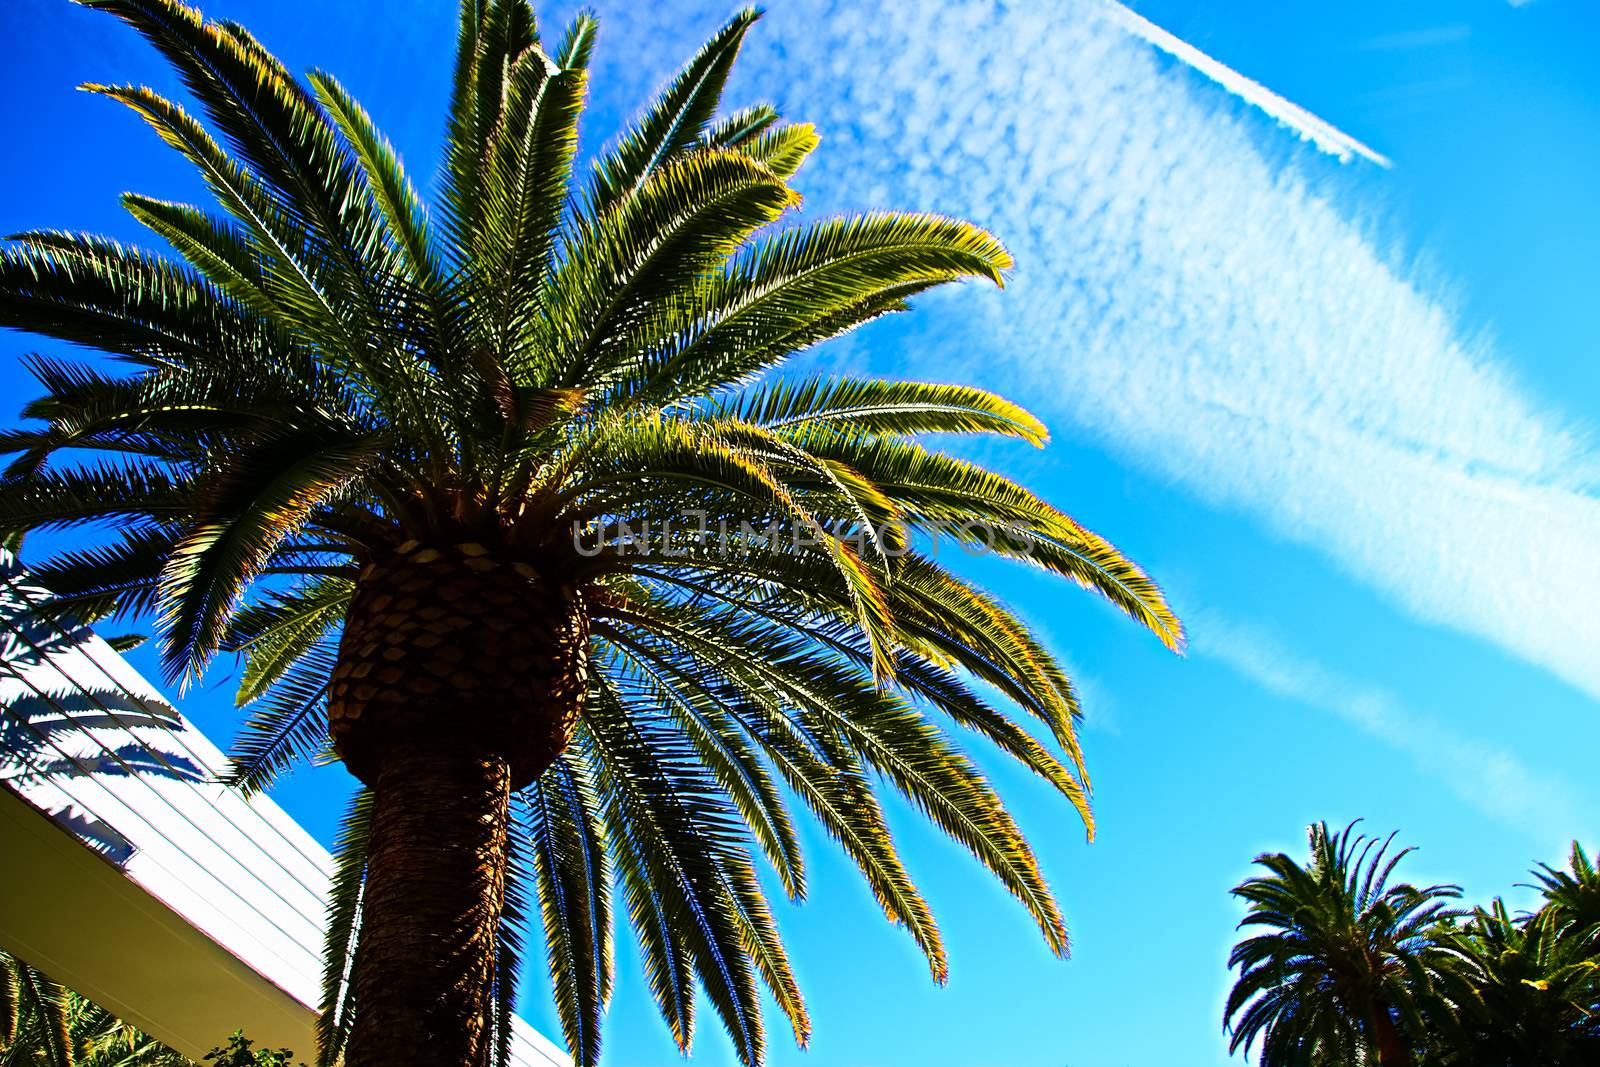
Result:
<point x="1346" y="413"/>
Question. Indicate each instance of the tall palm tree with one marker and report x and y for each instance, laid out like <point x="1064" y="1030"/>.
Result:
<point x="503" y="499"/>
<point x="1347" y="970"/>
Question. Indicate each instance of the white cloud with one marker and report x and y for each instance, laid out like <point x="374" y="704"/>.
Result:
<point x="1482" y="774"/>
<point x="1200" y="305"/>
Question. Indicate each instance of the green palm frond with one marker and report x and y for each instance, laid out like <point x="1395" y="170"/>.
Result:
<point x="48" y="1009"/>
<point x="93" y="291"/>
<point x="120" y="578"/>
<point x="1534" y="989"/>
<point x="135" y="493"/>
<point x="404" y="216"/>
<point x="684" y="848"/>
<point x="629" y="267"/>
<point x="10" y="1001"/>
<point x="722" y="747"/>
<point x="873" y="406"/>
<point x="782" y="149"/>
<point x="43" y="1024"/>
<point x="344" y="916"/>
<point x="525" y="185"/>
<point x="1573" y="894"/>
<point x="275" y="632"/>
<point x="675" y="122"/>
<point x="803" y="286"/>
<point x="491" y="38"/>
<point x="254" y="502"/>
<point x="738" y="127"/>
<point x="289" y="725"/>
<point x="570" y="875"/>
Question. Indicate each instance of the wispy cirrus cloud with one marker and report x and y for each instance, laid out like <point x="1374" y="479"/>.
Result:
<point x="1482" y="774"/>
<point x="1193" y="300"/>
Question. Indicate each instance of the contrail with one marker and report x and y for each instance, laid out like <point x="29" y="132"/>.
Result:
<point x="1325" y="136"/>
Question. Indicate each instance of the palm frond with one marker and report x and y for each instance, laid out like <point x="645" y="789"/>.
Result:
<point x="675" y="121"/>
<point x="344" y="922"/>
<point x="739" y="127"/>
<point x="290" y="724"/>
<point x="251" y="507"/>
<point x="571" y="873"/>
<point x="403" y="213"/>
<point x="874" y="406"/>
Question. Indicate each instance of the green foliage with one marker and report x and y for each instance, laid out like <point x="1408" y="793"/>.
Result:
<point x="554" y="352"/>
<point x="1353" y="970"/>
<point x="1538" y="990"/>
<point x="1573" y="895"/>
<point x="240" y="1051"/>
<point x="1345" y="961"/>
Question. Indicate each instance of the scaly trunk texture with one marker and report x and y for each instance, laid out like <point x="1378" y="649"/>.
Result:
<point x="1392" y="1050"/>
<point x="461" y="674"/>
<point x="424" y="971"/>
<point x="458" y="641"/>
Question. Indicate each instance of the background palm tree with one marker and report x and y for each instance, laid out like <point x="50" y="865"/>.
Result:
<point x="1572" y="895"/>
<point x="503" y="499"/>
<point x="1538" y="992"/>
<point x="1346" y="970"/>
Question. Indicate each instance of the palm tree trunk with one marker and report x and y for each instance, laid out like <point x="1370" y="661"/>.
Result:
<point x="424" y="973"/>
<point x="459" y="680"/>
<point x="1392" y="1048"/>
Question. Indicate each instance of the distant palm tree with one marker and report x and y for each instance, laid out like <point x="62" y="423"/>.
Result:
<point x="520" y="512"/>
<point x="1573" y="897"/>
<point x="1347" y="971"/>
<point x="1538" y="993"/>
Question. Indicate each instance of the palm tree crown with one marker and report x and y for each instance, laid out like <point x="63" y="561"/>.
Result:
<point x="1538" y="991"/>
<point x="1345" y="964"/>
<point x="1573" y="895"/>
<point x="508" y="483"/>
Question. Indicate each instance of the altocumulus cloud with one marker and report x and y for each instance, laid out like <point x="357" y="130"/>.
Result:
<point x="1189" y="295"/>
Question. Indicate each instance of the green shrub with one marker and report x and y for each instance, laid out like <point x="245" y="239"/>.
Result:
<point x="240" y="1053"/>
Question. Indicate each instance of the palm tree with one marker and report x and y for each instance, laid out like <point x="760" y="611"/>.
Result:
<point x="1347" y="970"/>
<point x="1573" y="897"/>
<point x="1537" y="974"/>
<point x="503" y="499"/>
<point x="1538" y="992"/>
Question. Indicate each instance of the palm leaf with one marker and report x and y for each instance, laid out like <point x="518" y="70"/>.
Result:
<point x="344" y="917"/>
<point x="571" y="871"/>
<point x="675" y="121"/>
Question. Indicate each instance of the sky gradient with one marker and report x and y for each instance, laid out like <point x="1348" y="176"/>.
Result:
<point x="1344" y="412"/>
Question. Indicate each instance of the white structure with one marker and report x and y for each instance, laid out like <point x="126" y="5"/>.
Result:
<point x="129" y="874"/>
